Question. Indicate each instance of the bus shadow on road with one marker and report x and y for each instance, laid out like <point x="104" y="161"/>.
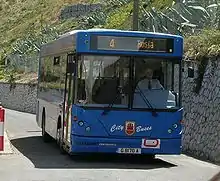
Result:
<point x="47" y="156"/>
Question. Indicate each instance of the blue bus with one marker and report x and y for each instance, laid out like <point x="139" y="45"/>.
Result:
<point x="112" y="91"/>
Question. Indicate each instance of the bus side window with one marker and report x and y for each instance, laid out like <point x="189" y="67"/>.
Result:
<point x="56" y="61"/>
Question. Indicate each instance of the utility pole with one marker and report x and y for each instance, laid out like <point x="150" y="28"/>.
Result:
<point x="41" y="20"/>
<point x="135" y="15"/>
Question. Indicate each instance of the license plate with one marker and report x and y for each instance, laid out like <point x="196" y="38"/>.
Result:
<point x="129" y="150"/>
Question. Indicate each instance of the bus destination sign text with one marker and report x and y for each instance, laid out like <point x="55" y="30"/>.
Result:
<point x="142" y="44"/>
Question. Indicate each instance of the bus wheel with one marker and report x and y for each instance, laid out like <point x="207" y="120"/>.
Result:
<point x="46" y="137"/>
<point x="60" y="140"/>
<point x="150" y="157"/>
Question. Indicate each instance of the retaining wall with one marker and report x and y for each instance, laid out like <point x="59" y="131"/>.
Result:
<point x="202" y="114"/>
<point x="22" y="97"/>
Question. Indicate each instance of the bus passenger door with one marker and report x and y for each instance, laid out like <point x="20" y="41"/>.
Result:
<point x="69" y="97"/>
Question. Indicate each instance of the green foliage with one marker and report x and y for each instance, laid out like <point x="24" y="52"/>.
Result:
<point x="53" y="85"/>
<point x="201" y="47"/>
<point x="31" y="42"/>
<point x="157" y="4"/>
<point x="22" y="19"/>
<point x="201" y="71"/>
<point x="117" y="19"/>
<point x="179" y="17"/>
<point x="2" y="75"/>
<point x="9" y="76"/>
<point x="204" y="44"/>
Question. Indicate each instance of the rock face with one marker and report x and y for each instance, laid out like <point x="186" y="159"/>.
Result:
<point x="201" y="110"/>
<point x="202" y="114"/>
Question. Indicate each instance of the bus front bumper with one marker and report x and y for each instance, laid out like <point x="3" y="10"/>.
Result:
<point x="82" y="144"/>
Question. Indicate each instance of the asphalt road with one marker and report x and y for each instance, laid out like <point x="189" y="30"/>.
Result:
<point x="34" y="160"/>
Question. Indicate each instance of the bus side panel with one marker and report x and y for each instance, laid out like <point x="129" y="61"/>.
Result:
<point x="51" y="116"/>
<point x="51" y="87"/>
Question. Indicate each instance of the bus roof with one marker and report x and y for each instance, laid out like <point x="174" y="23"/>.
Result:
<point x="98" y="30"/>
<point x="68" y="41"/>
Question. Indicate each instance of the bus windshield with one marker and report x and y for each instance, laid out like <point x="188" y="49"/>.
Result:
<point x="149" y="83"/>
<point x="99" y="80"/>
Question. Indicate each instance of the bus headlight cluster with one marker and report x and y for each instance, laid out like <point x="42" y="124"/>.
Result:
<point x="169" y="131"/>
<point x="81" y="123"/>
<point x="88" y="129"/>
<point x="175" y="126"/>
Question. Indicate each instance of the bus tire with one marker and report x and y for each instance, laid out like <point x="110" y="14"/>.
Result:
<point x="59" y="138"/>
<point x="46" y="137"/>
<point x="150" y="157"/>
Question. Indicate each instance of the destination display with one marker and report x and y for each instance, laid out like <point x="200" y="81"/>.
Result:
<point x="137" y="44"/>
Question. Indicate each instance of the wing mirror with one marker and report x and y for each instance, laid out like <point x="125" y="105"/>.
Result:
<point x="190" y="72"/>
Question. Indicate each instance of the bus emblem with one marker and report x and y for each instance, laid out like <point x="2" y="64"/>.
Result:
<point x="129" y="128"/>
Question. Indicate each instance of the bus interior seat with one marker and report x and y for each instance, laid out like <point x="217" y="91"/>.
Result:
<point x="105" y="91"/>
<point x="81" y="93"/>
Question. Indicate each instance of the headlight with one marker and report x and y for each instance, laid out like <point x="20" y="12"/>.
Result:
<point x="88" y="129"/>
<point x="175" y="126"/>
<point x="81" y="123"/>
<point x="169" y="131"/>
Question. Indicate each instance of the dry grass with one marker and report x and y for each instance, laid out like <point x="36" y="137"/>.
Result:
<point x="203" y="45"/>
<point x="22" y="16"/>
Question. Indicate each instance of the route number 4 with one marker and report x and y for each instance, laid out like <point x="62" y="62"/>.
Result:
<point x="112" y="43"/>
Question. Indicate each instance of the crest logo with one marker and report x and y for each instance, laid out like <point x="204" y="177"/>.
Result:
<point x="129" y="127"/>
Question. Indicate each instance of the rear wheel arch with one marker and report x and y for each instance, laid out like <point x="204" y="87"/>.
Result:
<point x="59" y="137"/>
<point x="45" y="135"/>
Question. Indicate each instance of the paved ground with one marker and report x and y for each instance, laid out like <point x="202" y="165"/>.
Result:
<point x="34" y="160"/>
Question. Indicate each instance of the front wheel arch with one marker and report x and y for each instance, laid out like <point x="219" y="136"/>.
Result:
<point x="59" y="135"/>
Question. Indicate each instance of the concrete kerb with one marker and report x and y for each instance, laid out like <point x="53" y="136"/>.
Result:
<point x="216" y="177"/>
<point x="7" y="145"/>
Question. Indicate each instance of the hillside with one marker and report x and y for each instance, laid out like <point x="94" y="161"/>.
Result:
<point x="25" y="18"/>
<point x="22" y="21"/>
<point x="20" y="17"/>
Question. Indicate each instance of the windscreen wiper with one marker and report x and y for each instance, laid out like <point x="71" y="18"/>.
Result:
<point x="119" y="92"/>
<point x="108" y="108"/>
<point x="147" y="102"/>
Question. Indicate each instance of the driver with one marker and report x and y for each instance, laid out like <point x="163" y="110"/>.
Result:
<point x="148" y="82"/>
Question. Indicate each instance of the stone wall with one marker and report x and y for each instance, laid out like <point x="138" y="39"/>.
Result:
<point x="22" y="97"/>
<point x="202" y="114"/>
<point x="79" y="10"/>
